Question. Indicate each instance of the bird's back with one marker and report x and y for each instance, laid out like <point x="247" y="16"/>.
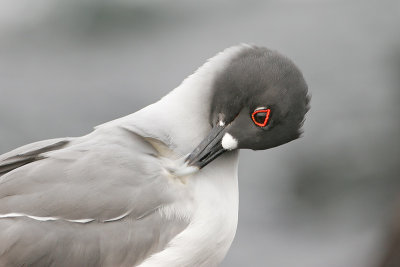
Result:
<point x="88" y="201"/>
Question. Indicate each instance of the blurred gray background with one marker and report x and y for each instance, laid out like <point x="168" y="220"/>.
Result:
<point x="324" y="200"/>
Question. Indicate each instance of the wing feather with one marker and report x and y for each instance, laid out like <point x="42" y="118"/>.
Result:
<point x="101" y="193"/>
<point x="28" y="154"/>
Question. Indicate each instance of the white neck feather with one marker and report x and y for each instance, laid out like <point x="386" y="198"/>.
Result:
<point x="212" y="227"/>
<point x="181" y="119"/>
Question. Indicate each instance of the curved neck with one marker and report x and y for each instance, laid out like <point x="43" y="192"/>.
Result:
<point x="181" y="119"/>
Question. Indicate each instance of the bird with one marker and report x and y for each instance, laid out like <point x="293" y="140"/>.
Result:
<point x="158" y="187"/>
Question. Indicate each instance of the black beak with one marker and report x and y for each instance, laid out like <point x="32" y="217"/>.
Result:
<point x="209" y="149"/>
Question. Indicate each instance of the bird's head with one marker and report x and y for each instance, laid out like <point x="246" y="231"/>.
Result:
<point x="259" y="101"/>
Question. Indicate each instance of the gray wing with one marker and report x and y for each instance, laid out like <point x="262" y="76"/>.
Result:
<point x="89" y="201"/>
<point x="29" y="153"/>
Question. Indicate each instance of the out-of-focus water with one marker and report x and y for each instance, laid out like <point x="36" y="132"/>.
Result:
<point x="323" y="200"/>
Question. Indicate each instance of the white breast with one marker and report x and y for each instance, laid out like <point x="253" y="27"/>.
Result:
<point x="213" y="218"/>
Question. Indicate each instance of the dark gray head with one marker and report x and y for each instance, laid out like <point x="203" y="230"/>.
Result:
<point x="259" y="101"/>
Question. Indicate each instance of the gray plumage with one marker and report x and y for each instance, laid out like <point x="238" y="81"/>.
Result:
<point x="49" y="179"/>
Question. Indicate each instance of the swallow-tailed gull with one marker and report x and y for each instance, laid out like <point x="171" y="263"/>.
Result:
<point x="158" y="187"/>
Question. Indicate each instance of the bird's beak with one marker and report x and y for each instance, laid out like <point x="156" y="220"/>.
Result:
<point x="208" y="150"/>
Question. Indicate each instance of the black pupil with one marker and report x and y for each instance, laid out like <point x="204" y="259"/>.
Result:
<point x="260" y="117"/>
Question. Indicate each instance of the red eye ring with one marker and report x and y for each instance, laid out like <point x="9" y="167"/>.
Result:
<point x="267" y="111"/>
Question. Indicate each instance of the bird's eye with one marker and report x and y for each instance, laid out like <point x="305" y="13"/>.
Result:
<point x="260" y="116"/>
